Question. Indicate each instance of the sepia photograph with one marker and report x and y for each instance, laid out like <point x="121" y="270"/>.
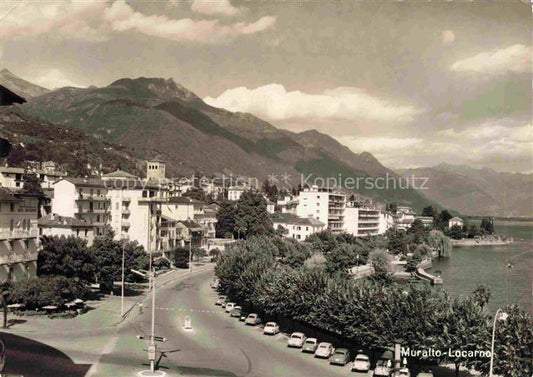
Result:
<point x="266" y="188"/>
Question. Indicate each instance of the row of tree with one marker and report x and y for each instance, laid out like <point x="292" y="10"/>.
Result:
<point x="370" y="313"/>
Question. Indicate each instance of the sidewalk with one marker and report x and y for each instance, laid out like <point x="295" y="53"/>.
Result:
<point x="86" y="337"/>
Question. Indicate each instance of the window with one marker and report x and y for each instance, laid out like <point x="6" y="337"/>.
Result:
<point x="12" y="207"/>
<point x="116" y="206"/>
<point x="86" y="232"/>
<point x="77" y="232"/>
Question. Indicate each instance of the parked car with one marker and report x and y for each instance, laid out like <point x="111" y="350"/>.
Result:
<point x="341" y="356"/>
<point x="361" y="363"/>
<point x="252" y="319"/>
<point x="220" y="300"/>
<point x="425" y="374"/>
<point x="383" y="368"/>
<point x="214" y="284"/>
<point x="236" y="312"/>
<point x="243" y="316"/>
<point x="296" y="340"/>
<point x="310" y="345"/>
<point x="271" y="328"/>
<point x="324" y="350"/>
<point x="230" y="306"/>
<point x="404" y="372"/>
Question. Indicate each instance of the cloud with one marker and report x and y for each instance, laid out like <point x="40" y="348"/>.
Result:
<point x="448" y="37"/>
<point x="513" y="59"/>
<point x="493" y="144"/>
<point x="53" y="79"/>
<point x="95" y="20"/>
<point x="72" y="19"/>
<point x="274" y="102"/>
<point x="122" y="17"/>
<point x="210" y="7"/>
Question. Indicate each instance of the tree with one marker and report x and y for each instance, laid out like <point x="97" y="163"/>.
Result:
<point x="487" y="225"/>
<point x="108" y="259"/>
<point x="31" y="184"/>
<point x="226" y="219"/>
<point x="37" y="292"/>
<point x="251" y="216"/>
<point x="464" y="329"/>
<point x="442" y="219"/>
<point x="397" y="242"/>
<point x="456" y="232"/>
<point x="66" y="256"/>
<point x="481" y="295"/>
<point x="341" y="258"/>
<point x="198" y="253"/>
<point x="429" y="211"/>
<point x="380" y="260"/>
<point x="181" y="257"/>
<point x="513" y="344"/>
<point x="418" y="231"/>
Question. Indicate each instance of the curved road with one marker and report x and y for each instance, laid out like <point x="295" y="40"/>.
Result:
<point x="217" y="346"/>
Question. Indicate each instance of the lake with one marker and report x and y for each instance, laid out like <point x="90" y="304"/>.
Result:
<point x="470" y="266"/>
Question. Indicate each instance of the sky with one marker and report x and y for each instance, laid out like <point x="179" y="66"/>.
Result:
<point x="416" y="83"/>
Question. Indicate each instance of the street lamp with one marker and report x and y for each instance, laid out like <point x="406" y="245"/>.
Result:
<point x="502" y="316"/>
<point x="123" y="276"/>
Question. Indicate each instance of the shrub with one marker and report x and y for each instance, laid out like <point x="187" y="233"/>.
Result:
<point x="181" y="257"/>
<point x="161" y="263"/>
<point x="48" y="290"/>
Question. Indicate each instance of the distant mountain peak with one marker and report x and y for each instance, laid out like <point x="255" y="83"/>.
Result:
<point x="164" y="89"/>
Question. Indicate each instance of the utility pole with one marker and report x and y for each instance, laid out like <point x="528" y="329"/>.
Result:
<point x="152" y="333"/>
<point x="190" y="252"/>
<point x="122" y="291"/>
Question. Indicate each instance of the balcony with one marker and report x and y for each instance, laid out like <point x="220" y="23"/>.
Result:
<point x="12" y="258"/>
<point x="126" y="211"/>
<point x="125" y="224"/>
<point x="126" y="199"/>
<point x="6" y="234"/>
<point x="92" y="198"/>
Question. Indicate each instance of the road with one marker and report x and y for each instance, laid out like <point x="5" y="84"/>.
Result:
<point x="217" y="346"/>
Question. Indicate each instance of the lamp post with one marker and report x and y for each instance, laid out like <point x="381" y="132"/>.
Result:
<point x="500" y="315"/>
<point x="122" y="285"/>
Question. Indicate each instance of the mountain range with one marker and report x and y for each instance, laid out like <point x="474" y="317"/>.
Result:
<point x="482" y="192"/>
<point x="137" y="119"/>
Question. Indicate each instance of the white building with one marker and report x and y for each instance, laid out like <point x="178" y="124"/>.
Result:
<point x="364" y="221"/>
<point x="84" y="199"/>
<point x="235" y="193"/>
<point x="18" y="235"/>
<point x="324" y="205"/>
<point x="455" y="221"/>
<point x="404" y="218"/>
<point x="296" y="227"/>
<point x="427" y="221"/>
<point x="54" y="225"/>
<point x="11" y="178"/>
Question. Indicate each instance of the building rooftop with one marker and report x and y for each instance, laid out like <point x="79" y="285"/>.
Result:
<point x="455" y="219"/>
<point x="9" y="169"/>
<point x="86" y="182"/>
<point x="287" y="218"/>
<point x="191" y="225"/>
<point x="7" y="97"/>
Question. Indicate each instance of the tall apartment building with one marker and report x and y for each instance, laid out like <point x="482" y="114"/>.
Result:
<point x="324" y="205"/>
<point x="18" y="235"/>
<point x="136" y="211"/>
<point x="363" y="221"/>
<point x="84" y="199"/>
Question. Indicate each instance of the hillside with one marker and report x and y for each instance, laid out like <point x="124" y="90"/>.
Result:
<point x="77" y="153"/>
<point x="157" y="117"/>
<point x="482" y="192"/>
<point x="20" y="86"/>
